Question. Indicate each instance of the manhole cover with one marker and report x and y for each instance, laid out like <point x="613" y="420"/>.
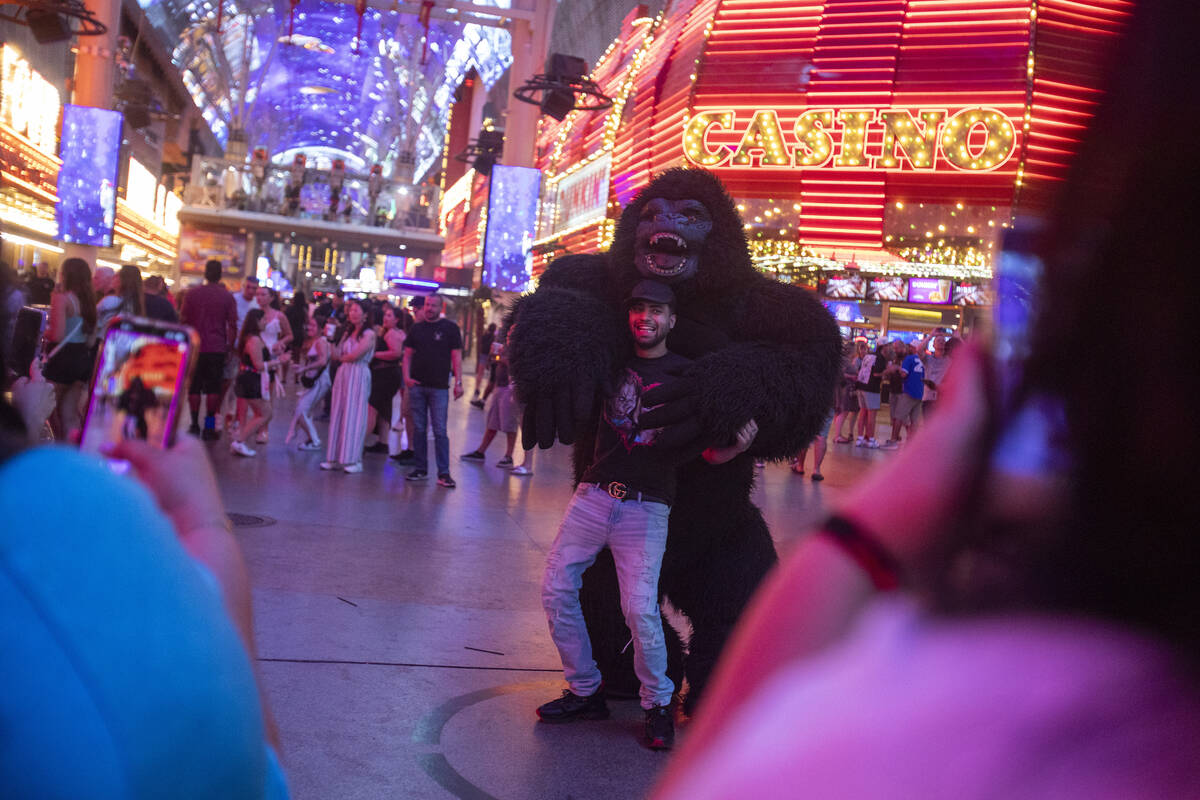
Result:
<point x="249" y="520"/>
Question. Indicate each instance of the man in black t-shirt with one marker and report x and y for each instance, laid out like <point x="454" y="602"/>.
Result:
<point x="622" y="503"/>
<point x="432" y="351"/>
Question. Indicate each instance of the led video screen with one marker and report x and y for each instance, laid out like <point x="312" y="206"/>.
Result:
<point x="87" y="180"/>
<point x="929" y="290"/>
<point x="512" y="219"/>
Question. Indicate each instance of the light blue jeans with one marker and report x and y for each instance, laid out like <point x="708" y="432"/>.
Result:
<point x="636" y="533"/>
<point x="430" y="404"/>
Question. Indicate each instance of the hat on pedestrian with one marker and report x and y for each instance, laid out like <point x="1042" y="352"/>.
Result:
<point x="652" y="291"/>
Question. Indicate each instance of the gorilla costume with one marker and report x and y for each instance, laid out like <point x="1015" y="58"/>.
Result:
<point x="760" y="349"/>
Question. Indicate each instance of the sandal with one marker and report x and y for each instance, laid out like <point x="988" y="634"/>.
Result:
<point x="843" y="440"/>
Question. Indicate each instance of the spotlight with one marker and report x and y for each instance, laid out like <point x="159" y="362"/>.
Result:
<point x="47" y="27"/>
<point x="564" y="87"/>
<point x="483" y="152"/>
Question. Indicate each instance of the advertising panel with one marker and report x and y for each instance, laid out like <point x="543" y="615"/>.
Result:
<point x="511" y="224"/>
<point x="87" y="181"/>
<point x="852" y="286"/>
<point x="936" y="291"/>
<point x="893" y="288"/>
<point x="578" y="199"/>
<point x="972" y="294"/>
<point x="197" y="247"/>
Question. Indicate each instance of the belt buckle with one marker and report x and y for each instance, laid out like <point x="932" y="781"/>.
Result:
<point x="617" y="490"/>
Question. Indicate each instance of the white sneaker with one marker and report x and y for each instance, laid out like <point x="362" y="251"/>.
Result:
<point x="890" y="444"/>
<point x="872" y="444"/>
<point x="239" y="448"/>
<point x="860" y="442"/>
<point x="330" y="465"/>
<point x="522" y="470"/>
<point x="353" y="468"/>
<point x="310" y="446"/>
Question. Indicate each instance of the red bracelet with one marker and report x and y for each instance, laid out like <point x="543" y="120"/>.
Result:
<point x="881" y="567"/>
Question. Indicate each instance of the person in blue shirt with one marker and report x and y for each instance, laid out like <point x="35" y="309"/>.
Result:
<point x="906" y="411"/>
<point x="126" y="640"/>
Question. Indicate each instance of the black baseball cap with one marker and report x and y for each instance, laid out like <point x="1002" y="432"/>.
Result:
<point x="653" y="291"/>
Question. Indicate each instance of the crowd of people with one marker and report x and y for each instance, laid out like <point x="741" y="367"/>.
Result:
<point x="379" y="373"/>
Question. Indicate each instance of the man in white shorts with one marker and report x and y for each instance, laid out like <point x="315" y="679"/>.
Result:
<point x="503" y="414"/>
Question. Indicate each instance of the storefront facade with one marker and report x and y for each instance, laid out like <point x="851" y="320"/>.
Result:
<point x="145" y="229"/>
<point x="867" y="143"/>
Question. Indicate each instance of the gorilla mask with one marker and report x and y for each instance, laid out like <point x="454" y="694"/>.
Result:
<point x="670" y="238"/>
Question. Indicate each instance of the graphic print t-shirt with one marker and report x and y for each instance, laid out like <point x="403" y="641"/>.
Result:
<point x="624" y="452"/>
<point x="431" y="343"/>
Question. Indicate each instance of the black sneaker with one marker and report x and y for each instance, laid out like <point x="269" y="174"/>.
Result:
<point x="445" y="480"/>
<point x="660" y="728"/>
<point x="416" y="475"/>
<point x="474" y="455"/>
<point x="210" y="435"/>
<point x="406" y="458"/>
<point x="477" y="403"/>
<point x="571" y="707"/>
<point x="193" y="429"/>
<point x="378" y="447"/>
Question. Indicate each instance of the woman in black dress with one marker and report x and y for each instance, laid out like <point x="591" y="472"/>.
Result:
<point x="386" y="379"/>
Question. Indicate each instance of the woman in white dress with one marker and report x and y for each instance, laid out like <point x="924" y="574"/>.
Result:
<point x="314" y="378"/>
<point x="277" y="336"/>
<point x="351" y="390"/>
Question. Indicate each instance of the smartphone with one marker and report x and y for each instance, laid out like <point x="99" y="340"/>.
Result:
<point x="140" y="382"/>
<point x="1032" y="427"/>
<point x="28" y="331"/>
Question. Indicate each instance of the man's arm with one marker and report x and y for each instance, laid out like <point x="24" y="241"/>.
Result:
<point x="231" y="323"/>
<point x="406" y="366"/>
<point x="456" y="368"/>
<point x="745" y="436"/>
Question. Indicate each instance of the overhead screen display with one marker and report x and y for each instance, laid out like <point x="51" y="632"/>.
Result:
<point x="87" y="180"/>
<point x="511" y="223"/>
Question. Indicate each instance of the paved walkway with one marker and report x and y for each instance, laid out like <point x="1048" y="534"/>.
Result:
<point x="400" y="631"/>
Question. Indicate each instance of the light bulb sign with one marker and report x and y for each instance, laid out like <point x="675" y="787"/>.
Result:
<point x="29" y="103"/>
<point x="976" y="139"/>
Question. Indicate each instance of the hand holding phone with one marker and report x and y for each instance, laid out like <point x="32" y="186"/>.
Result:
<point x="139" y="384"/>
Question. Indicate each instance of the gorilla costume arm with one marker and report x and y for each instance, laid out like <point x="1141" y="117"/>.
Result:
<point x="780" y="369"/>
<point x="565" y="341"/>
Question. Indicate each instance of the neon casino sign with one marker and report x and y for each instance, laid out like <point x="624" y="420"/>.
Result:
<point x="976" y="139"/>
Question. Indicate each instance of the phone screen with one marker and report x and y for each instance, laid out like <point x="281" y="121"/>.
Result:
<point x="1030" y="437"/>
<point x="140" y="381"/>
<point x="27" y="339"/>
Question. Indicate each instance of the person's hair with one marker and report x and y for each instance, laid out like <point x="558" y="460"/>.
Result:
<point x="300" y="300"/>
<point x="275" y="303"/>
<point x="363" y="326"/>
<point x="77" y="279"/>
<point x="154" y="284"/>
<point x="212" y="270"/>
<point x="251" y="326"/>
<point x="1125" y="549"/>
<point x="338" y="293"/>
<point x="129" y="288"/>
<point x="251" y="279"/>
<point x="383" y="311"/>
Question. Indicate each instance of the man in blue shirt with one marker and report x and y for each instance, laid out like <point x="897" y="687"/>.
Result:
<point x="907" y="408"/>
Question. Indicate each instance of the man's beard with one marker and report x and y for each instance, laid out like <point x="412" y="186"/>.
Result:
<point x="659" y="338"/>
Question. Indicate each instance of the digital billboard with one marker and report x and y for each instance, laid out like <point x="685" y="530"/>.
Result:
<point x="929" y="290"/>
<point x="511" y="222"/>
<point x="87" y="180"/>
